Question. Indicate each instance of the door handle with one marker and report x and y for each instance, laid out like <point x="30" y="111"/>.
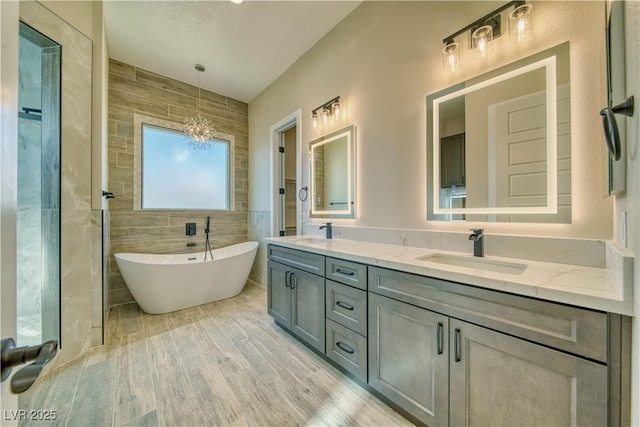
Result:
<point x="108" y="194"/>
<point x="345" y="305"/>
<point x="344" y="347"/>
<point x="345" y="272"/>
<point x="286" y="279"/>
<point x="12" y="356"/>
<point x="456" y="345"/>
<point x="440" y="338"/>
<point x="293" y="280"/>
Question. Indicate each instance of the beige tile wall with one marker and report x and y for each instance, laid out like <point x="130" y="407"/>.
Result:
<point x="134" y="90"/>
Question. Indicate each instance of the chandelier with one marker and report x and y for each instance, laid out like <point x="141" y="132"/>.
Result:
<point x="199" y="130"/>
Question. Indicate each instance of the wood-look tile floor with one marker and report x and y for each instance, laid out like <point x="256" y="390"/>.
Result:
<point x="224" y="363"/>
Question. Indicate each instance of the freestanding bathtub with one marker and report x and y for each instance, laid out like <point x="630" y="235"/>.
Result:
<point x="164" y="283"/>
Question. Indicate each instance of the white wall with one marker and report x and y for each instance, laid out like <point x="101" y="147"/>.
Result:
<point x="384" y="59"/>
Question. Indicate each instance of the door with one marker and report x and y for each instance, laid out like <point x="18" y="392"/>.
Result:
<point x="420" y="383"/>
<point x="307" y="311"/>
<point x="287" y="193"/>
<point x="287" y="183"/>
<point x="278" y="293"/>
<point x="519" y="175"/>
<point x="498" y="380"/>
<point x="9" y="12"/>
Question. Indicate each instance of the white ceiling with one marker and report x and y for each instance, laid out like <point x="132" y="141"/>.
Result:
<point x="244" y="47"/>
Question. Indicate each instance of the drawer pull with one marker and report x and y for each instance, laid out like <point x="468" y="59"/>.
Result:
<point x="456" y="343"/>
<point x="440" y="338"/>
<point x="344" y="305"/>
<point x="344" y="347"/>
<point x="345" y="272"/>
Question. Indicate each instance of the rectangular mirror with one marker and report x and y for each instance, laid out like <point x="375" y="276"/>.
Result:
<point x="332" y="166"/>
<point x="499" y="145"/>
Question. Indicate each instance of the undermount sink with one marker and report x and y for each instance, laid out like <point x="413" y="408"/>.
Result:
<point x="310" y="240"/>
<point x="475" y="263"/>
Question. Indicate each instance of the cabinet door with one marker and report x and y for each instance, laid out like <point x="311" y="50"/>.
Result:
<point x="307" y="311"/>
<point x="498" y="380"/>
<point x="278" y="293"/>
<point x="452" y="164"/>
<point x="409" y="358"/>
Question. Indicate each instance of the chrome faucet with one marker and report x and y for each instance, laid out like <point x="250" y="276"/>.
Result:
<point x="478" y="241"/>
<point x="329" y="228"/>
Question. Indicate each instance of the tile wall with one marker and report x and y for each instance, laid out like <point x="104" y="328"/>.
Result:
<point x="136" y="91"/>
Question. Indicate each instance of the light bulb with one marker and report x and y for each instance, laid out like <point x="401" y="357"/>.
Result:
<point x="451" y="58"/>
<point x="314" y="120"/>
<point x="520" y="23"/>
<point x="326" y="113"/>
<point x="482" y="42"/>
<point x="337" y="110"/>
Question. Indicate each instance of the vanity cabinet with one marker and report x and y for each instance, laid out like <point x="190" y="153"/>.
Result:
<point x="323" y="301"/>
<point x="295" y="297"/>
<point x="450" y="354"/>
<point x="473" y="372"/>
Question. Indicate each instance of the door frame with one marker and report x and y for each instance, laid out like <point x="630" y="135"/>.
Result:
<point x="277" y="129"/>
<point x="9" y="19"/>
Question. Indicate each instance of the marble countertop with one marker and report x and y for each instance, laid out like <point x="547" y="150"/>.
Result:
<point x="589" y="287"/>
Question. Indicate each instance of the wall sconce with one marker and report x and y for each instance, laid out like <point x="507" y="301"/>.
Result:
<point x="329" y="109"/>
<point x="485" y="30"/>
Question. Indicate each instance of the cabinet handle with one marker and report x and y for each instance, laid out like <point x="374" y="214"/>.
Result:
<point x="345" y="272"/>
<point x="456" y="345"/>
<point x="440" y="338"/>
<point x="286" y="279"/>
<point x="344" y="347"/>
<point x="292" y="281"/>
<point x="344" y="305"/>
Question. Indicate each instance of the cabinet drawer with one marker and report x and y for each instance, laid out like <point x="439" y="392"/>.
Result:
<point x="576" y="330"/>
<point x="312" y="263"/>
<point x="347" y="306"/>
<point x="347" y="349"/>
<point x="349" y="273"/>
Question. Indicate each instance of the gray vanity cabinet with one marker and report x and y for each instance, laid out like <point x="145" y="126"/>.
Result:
<point x="498" y="380"/>
<point x="450" y="354"/>
<point x="295" y="299"/>
<point x="409" y="358"/>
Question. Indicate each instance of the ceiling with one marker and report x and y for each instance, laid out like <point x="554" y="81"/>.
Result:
<point x="244" y="47"/>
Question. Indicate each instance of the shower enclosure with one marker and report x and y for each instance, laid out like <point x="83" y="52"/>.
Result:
<point x="38" y="218"/>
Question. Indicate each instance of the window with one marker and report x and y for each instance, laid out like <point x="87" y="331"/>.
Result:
<point x="177" y="176"/>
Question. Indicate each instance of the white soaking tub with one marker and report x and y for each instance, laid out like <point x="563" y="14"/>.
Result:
<point x="164" y="283"/>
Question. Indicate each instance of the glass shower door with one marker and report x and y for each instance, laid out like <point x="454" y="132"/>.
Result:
<point x="38" y="217"/>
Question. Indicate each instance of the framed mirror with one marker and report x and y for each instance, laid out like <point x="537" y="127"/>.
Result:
<point x="332" y="172"/>
<point x="499" y="145"/>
